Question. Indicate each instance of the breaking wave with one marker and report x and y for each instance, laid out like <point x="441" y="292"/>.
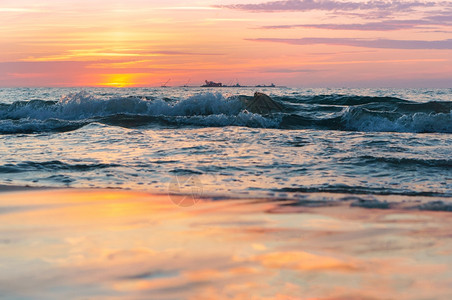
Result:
<point x="331" y="112"/>
<point x="362" y="119"/>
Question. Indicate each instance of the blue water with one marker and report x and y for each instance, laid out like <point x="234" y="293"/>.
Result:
<point x="372" y="142"/>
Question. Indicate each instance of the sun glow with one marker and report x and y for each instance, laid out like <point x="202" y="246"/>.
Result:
<point x="75" y="44"/>
<point x="119" y="80"/>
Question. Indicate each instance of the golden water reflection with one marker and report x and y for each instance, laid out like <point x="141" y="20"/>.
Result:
<point x="108" y="244"/>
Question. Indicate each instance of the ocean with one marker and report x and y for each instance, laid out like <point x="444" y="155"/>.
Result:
<point x="181" y="193"/>
<point x="384" y="145"/>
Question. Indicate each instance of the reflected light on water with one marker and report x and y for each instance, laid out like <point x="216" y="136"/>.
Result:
<point x="112" y="244"/>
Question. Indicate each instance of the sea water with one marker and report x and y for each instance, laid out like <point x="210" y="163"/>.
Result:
<point x="202" y="141"/>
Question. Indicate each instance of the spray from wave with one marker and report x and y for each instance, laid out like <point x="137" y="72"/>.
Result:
<point x="329" y="112"/>
<point x="76" y="110"/>
<point x="362" y="119"/>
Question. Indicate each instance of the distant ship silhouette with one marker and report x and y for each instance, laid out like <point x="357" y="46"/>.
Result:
<point x="212" y="84"/>
<point x="209" y="83"/>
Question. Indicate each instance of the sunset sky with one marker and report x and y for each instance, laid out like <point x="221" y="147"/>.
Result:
<point x="303" y="43"/>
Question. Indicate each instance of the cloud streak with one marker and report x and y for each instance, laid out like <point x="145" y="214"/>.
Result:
<point x="372" y="26"/>
<point x="430" y="21"/>
<point x="365" y="43"/>
<point x="282" y="70"/>
<point x="329" y="5"/>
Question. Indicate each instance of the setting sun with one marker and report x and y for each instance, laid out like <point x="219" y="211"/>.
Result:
<point x="118" y="80"/>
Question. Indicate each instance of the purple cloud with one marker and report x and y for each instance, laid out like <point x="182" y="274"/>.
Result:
<point x="434" y="20"/>
<point x="372" y="26"/>
<point x="330" y="5"/>
<point x="444" y="17"/>
<point x="366" y="43"/>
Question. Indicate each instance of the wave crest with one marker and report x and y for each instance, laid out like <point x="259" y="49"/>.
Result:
<point x="330" y="112"/>
<point x="362" y="119"/>
<point x="78" y="109"/>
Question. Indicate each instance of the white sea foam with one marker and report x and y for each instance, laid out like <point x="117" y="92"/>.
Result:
<point x="209" y="109"/>
<point x="216" y="109"/>
<point x="359" y="119"/>
<point x="83" y="105"/>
